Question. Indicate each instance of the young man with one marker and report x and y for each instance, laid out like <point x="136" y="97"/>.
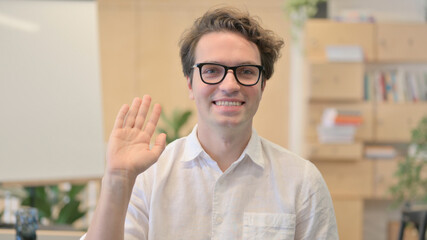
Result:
<point x="222" y="181"/>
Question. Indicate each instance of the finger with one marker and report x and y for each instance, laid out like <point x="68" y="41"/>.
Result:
<point x="130" y="118"/>
<point x="121" y="116"/>
<point x="159" y="144"/>
<point x="154" y="118"/>
<point x="142" y="112"/>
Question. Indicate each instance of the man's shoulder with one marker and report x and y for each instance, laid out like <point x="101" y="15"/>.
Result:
<point x="274" y="148"/>
<point x="281" y="156"/>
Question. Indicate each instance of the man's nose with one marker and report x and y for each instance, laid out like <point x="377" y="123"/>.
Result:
<point x="230" y="82"/>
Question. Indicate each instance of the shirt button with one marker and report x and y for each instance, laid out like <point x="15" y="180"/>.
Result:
<point x="218" y="220"/>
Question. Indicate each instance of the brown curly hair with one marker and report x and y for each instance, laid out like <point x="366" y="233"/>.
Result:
<point x="233" y="20"/>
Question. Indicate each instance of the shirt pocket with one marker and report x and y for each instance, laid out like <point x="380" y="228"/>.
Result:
<point x="268" y="226"/>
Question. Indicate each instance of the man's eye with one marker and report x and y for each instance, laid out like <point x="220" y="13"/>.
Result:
<point x="247" y="71"/>
<point x="211" y="70"/>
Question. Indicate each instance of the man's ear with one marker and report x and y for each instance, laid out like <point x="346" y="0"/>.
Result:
<point x="190" y="87"/>
<point x="263" y="82"/>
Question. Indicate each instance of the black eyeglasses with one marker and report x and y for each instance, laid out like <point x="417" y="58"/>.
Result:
<point x="214" y="73"/>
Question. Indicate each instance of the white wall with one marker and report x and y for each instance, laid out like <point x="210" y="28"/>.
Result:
<point x="50" y="97"/>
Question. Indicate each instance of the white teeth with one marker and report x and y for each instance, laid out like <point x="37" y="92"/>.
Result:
<point x="226" y="103"/>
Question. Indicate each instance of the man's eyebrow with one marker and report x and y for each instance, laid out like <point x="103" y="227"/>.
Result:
<point x="248" y="62"/>
<point x="240" y="63"/>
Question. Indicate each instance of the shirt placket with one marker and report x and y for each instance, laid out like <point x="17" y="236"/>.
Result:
<point x="218" y="209"/>
<point x="220" y="204"/>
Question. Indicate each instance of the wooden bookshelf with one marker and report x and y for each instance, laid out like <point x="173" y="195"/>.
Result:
<point x="351" y="178"/>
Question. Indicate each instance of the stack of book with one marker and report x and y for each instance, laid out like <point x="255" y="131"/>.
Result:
<point x="338" y="126"/>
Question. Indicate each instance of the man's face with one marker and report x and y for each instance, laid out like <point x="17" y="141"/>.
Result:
<point x="227" y="103"/>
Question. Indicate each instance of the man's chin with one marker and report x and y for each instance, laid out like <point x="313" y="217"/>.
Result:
<point x="231" y="123"/>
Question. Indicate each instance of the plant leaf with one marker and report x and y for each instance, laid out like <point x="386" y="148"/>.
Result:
<point x="70" y="213"/>
<point x="76" y="189"/>
<point x="183" y="119"/>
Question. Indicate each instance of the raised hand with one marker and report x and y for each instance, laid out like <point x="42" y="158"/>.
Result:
<point x="129" y="143"/>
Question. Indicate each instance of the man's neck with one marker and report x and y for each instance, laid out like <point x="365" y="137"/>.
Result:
<point x="224" y="145"/>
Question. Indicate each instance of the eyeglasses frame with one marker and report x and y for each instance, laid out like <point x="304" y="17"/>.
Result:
<point x="234" y="68"/>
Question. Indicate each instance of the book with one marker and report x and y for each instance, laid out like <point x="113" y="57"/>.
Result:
<point x="422" y="86"/>
<point x="345" y="120"/>
<point x="400" y="86"/>
<point x="333" y="116"/>
<point x="413" y="85"/>
<point x="366" y="87"/>
<point x="336" y="134"/>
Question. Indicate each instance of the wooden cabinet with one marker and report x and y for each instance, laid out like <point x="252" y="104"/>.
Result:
<point x="394" y="122"/>
<point x="383" y="177"/>
<point x="382" y="42"/>
<point x="349" y="215"/>
<point x="348" y="178"/>
<point x="323" y="33"/>
<point x="336" y="81"/>
<point x="403" y="42"/>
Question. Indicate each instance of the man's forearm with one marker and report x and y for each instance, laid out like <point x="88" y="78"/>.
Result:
<point x="110" y="213"/>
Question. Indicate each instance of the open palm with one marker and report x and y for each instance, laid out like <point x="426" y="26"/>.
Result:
<point x="129" y="144"/>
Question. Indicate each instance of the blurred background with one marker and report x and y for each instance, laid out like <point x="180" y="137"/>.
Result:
<point x="348" y="93"/>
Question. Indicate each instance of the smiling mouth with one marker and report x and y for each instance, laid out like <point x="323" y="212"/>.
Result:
<point x="227" y="103"/>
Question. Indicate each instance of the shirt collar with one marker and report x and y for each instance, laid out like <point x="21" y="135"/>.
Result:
<point x="253" y="150"/>
<point x="192" y="147"/>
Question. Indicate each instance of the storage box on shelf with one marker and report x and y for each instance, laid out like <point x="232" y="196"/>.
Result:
<point x="336" y="81"/>
<point x="321" y="33"/>
<point x="401" y="42"/>
<point x="394" y="121"/>
<point x="345" y="86"/>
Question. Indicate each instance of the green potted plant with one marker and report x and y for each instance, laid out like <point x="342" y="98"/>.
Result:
<point x="56" y="205"/>
<point x="411" y="186"/>
<point x="174" y="124"/>
<point x="300" y="10"/>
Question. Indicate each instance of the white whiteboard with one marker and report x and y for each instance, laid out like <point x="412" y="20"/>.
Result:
<point x="51" y="125"/>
